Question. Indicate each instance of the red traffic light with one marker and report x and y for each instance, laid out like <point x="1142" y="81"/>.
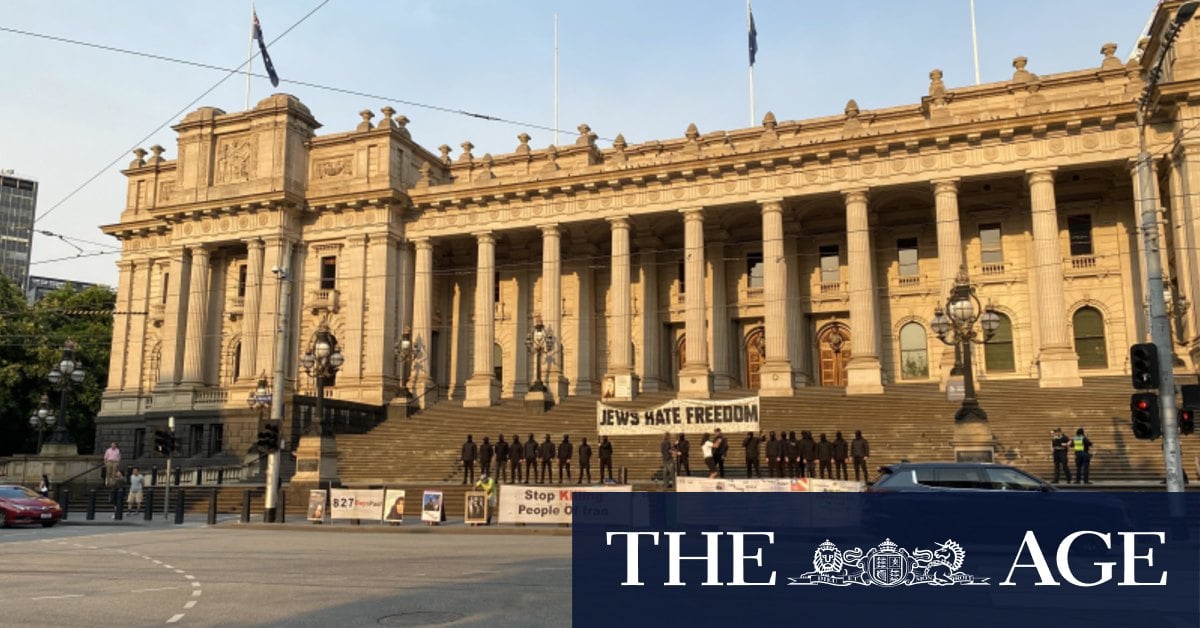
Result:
<point x="1142" y="404"/>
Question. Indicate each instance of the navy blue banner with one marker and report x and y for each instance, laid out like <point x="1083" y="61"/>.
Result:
<point x="876" y="559"/>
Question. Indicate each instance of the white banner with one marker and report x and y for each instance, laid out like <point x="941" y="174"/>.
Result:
<point x="523" y="504"/>
<point x="765" y="485"/>
<point x="692" y="416"/>
<point x="356" y="504"/>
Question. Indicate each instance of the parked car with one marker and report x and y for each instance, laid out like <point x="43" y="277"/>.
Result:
<point x="955" y="476"/>
<point x="22" y="505"/>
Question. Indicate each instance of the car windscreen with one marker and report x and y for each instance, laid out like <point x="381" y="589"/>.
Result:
<point x="16" y="492"/>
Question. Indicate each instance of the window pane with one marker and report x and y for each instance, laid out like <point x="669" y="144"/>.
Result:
<point x="998" y="352"/>
<point x="1090" y="345"/>
<point x="328" y="272"/>
<point x="914" y="360"/>
<point x="1080" y="228"/>
<point x="831" y="264"/>
<point x="991" y="251"/>
<point x="755" y="269"/>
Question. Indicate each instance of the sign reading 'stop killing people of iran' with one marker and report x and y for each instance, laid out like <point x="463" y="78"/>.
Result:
<point x="680" y="415"/>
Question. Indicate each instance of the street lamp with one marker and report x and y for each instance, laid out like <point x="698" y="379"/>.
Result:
<point x="260" y="397"/>
<point x="68" y="371"/>
<point x="42" y="420"/>
<point x="539" y="341"/>
<point x="406" y="351"/>
<point x="955" y="326"/>
<point x="322" y="361"/>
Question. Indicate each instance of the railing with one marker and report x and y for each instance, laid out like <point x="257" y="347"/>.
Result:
<point x="754" y="292"/>
<point x="200" y="476"/>
<point x="1083" y="261"/>
<point x="906" y="282"/>
<point x="996" y="268"/>
<point x="827" y="287"/>
<point x="211" y="396"/>
<point x="324" y="299"/>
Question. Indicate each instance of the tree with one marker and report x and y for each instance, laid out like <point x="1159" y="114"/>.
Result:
<point x="20" y="396"/>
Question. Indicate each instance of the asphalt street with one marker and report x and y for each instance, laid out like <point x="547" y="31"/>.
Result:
<point x="152" y="575"/>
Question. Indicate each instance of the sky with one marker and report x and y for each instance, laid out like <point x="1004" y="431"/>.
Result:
<point x="647" y="69"/>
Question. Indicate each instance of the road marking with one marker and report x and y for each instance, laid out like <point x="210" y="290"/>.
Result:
<point x="178" y="571"/>
<point x="552" y="569"/>
<point x="196" y="593"/>
<point x="189" y="605"/>
<point x="157" y="562"/>
<point x="189" y="576"/>
<point x="154" y="589"/>
<point x="166" y="566"/>
<point x="195" y="584"/>
<point x="175" y="618"/>
<point x="56" y="597"/>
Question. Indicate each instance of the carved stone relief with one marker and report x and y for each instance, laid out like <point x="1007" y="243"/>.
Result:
<point x="235" y="159"/>
<point x="333" y="167"/>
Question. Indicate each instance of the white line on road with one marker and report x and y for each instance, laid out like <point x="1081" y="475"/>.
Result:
<point x="56" y="597"/>
<point x="189" y="605"/>
<point x="154" y="589"/>
<point x="167" y="566"/>
<point x="196" y="593"/>
<point x="175" y="618"/>
<point x="178" y="571"/>
<point x="189" y="576"/>
<point x="195" y="584"/>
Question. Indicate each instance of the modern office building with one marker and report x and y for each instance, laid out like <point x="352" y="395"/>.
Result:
<point x="18" y="205"/>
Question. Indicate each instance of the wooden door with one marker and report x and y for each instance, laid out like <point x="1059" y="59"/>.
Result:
<point x="834" y="343"/>
<point x="754" y="358"/>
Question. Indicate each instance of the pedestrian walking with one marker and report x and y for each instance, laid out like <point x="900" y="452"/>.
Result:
<point x="606" y="458"/>
<point x="1060" y="444"/>
<point x="708" y="450"/>
<point x="43" y="488"/>
<point x="137" y="484"/>
<point x="860" y="450"/>
<point x="467" y="458"/>
<point x="585" y="461"/>
<point x="841" y="450"/>
<point x="565" y="451"/>
<point x="1083" y="456"/>
<point x="751" y="446"/>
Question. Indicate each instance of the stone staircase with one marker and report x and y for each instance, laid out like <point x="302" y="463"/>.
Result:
<point x="912" y="421"/>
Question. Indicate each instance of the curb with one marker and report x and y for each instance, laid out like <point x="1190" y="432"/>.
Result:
<point x="415" y="528"/>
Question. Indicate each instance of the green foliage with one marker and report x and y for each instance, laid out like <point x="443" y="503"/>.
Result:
<point x="31" y="341"/>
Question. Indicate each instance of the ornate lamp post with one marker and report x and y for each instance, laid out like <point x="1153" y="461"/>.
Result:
<point x="322" y="361"/>
<point x="68" y="371"/>
<point x="958" y="329"/>
<point x="406" y="351"/>
<point x="539" y="341"/>
<point x="42" y="420"/>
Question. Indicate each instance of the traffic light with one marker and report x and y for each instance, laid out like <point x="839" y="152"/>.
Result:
<point x="1147" y="424"/>
<point x="1187" y="421"/>
<point x="164" y="442"/>
<point x="1143" y="361"/>
<point x="1191" y="403"/>
<point x="268" y="438"/>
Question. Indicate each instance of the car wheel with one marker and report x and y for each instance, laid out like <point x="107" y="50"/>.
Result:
<point x="3" y="520"/>
<point x="48" y="524"/>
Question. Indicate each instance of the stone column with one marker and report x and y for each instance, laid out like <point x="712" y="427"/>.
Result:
<point x="718" y="313"/>
<point x="120" y="328"/>
<point x="651" y="352"/>
<point x="777" y="368"/>
<point x="424" y="382"/>
<point x="140" y="300"/>
<point x="863" y="372"/>
<point x="1057" y="363"/>
<point x="797" y="323"/>
<point x="585" y="317"/>
<point x="950" y="257"/>
<point x="379" y="332"/>
<point x="556" y="384"/>
<point x="352" y="292"/>
<point x="620" y="331"/>
<point x="482" y="388"/>
<point x="170" y="365"/>
<point x="1182" y="241"/>
<point x="695" y="379"/>
<point x="197" y="318"/>
<point x="255" y="287"/>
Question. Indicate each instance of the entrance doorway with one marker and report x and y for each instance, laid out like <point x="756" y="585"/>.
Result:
<point x="834" y="343"/>
<point x="755" y="355"/>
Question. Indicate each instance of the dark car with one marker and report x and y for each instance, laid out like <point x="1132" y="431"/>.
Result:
<point x="955" y="476"/>
<point x="21" y="505"/>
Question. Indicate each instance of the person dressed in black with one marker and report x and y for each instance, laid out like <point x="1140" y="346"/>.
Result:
<point x="486" y="453"/>
<point x="751" y="445"/>
<point x="683" y="448"/>
<point x="720" y="450"/>
<point x="860" y="450"/>
<point x="516" y="455"/>
<point x="501" y="458"/>
<point x="667" y="450"/>
<point x="773" y="456"/>
<point x="792" y="465"/>
<point x="585" y="461"/>
<point x="546" y="456"/>
<point x="531" y="454"/>
<point x="1060" y="443"/>
<point x="841" y="450"/>
<point x="1083" y="456"/>
<point x="469" y="453"/>
<point x="605" y="458"/>
<point x="825" y="456"/>
<point x="808" y="455"/>
<point x="565" y="451"/>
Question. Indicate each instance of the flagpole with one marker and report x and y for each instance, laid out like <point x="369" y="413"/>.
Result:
<point x="974" y="42"/>
<point x="556" y="79"/>
<point x="749" y="24"/>
<point x="250" y="56"/>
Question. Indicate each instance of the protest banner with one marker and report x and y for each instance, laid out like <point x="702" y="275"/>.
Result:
<point x="522" y="504"/>
<point x="356" y="504"/>
<point x="693" y="416"/>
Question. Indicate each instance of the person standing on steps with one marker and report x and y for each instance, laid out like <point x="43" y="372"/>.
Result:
<point x="710" y="461"/>
<point x="773" y="456"/>
<point x="469" y="453"/>
<point x="486" y="452"/>
<point x="841" y="449"/>
<point x="585" y="461"/>
<point x="720" y="450"/>
<point x="808" y="455"/>
<point x="792" y="465"/>
<point x="1060" y="444"/>
<point x="825" y="456"/>
<point x="546" y="455"/>
<point x="112" y="463"/>
<point x="606" y="452"/>
<point x="683" y="447"/>
<point x="751" y="446"/>
<point x="137" y="484"/>
<point x="860" y="450"/>
<point x="516" y="455"/>
<point x="565" y="451"/>
<point x="531" y="452"/>
<point x="1083" y="456"/>
<point x="666" y="449"/>
<point x="501" y="458"/>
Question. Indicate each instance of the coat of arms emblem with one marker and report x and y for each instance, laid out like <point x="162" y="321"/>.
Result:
<point x="888" y="565"/>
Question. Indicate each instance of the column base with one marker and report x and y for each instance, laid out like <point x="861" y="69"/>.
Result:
<point x="1058" y="367"/>
<point x="695" y="382"/>
<point x="621" y="386"/>
<point x="776" y="380"/>
<point x="722" y="381"/>
<point x="482" y="391"/>
<point x="316" y="460"/>
<point x="973" y="441"/>
<point x="537" y="402"/>
<point x="653" y="384"/>
<point x="864" y="376"/>
<point x="425" y="393"/>
<point x="557" y="386"/>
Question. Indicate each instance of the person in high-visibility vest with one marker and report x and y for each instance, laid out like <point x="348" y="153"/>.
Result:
<point x="488" y="486"/>
<point x="1083" y="456"/>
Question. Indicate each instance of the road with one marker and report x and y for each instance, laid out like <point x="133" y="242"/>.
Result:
<point x="223" y="576"/>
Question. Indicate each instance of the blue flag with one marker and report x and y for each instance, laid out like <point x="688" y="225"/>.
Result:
<point x="262" y="46"/>
<point x="753" y="37"/>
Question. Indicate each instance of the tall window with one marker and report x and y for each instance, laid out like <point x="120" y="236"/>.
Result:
<point x="237" y="361"/>
<point x="831" y="264"/>
<point x="241" y="290"/>
<point x="755" y="269"/>
<point x="216" y="438"/>
<point x="906" y="249"/>
<point x="914" y="360"/>
<point x="139" y="442"/>
<point x="166" y="283"/>
<point x="496" y="288"/>
<point x="682" y="278"/>
<point x="328" y="272"/>
<point x="991" y="251"/>
<point x="998" y="352"/>
<point x="1089" y="338"/>
<point x="196" y="445"/>
<point x="1080" y="228"/>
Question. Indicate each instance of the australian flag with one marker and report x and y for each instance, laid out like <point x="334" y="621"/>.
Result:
<point x="262" y="46"/>
<point x="753" y="37"/>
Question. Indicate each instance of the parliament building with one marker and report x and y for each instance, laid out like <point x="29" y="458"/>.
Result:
<point x="793" y="254"/>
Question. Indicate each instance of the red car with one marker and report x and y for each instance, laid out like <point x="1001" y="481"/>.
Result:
<point x="21" y="505"/>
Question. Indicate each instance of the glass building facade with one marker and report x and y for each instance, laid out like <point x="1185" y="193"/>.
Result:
<point x="18" y="203"/>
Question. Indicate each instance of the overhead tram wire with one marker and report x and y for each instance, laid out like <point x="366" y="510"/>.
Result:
<point x="169" y="120"/>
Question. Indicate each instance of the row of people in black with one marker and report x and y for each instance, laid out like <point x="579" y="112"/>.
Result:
<point x="787" y="455"/>
<point x="508" y="457"/>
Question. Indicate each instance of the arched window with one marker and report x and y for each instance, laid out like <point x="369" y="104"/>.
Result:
<point x="998" y="352"/>
<point x="914" y="359"/>
<point x="1089" y="338"/>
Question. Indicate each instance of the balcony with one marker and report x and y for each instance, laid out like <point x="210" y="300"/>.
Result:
<point x="1085" y="266"/>
<point x="235" y="307"/>
<point x="909" y="282"/>
<point x="991" y="269"/>
<point x="1083" y="261"/>
<point x="214" y="396"/>
<point x="323" y="301"/>
<point x="829" y="287"/>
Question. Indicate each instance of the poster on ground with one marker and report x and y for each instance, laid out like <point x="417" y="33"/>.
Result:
<point x="525" y="504"/>
<point x="355" y="503"/>
<point x="393" y="503"/>
<point x="476" y="508"/>
<point x="432" y="508"/>
<point x="316" y="505"/>
<point x="693" y="416"/>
